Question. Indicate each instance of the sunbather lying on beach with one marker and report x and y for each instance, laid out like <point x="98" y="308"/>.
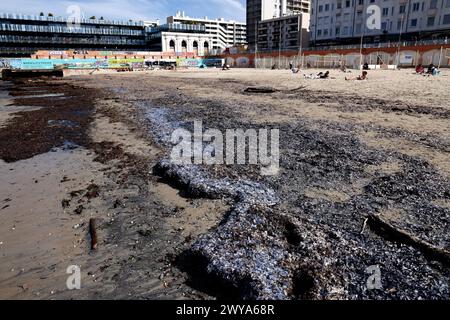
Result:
<point x="320" y="75"/>
<point x="361" y="77"/>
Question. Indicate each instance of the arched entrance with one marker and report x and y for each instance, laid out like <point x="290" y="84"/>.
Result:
<point x="172" y="46"/>
<point x="206" y="47"/>
<point x="195" y="46"/>
<point x="183" y="46"/>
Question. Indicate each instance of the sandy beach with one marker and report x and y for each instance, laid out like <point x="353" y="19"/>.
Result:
<point x="364" y="181"/>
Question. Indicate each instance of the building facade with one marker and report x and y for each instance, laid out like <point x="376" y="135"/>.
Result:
<point x="25" y="34"/>
<point x="22" y="35"/>
<point x="284" y="33"/>
<point x="260" y="10"/>
<point x="335" y="22"/>
<point x="225" y="34"/>
<point x="180" y="38"/>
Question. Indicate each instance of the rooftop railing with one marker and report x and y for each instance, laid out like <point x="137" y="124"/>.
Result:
<point x="176" y="27"/>
<point x="12" y="16"/>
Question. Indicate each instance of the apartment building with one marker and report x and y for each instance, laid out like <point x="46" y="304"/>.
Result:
<point x="225" y="34"/>
<point x="24" y="34"/>
<point x="335" y="22"/>
<point x="260" y="10"/>
<point x="284" y="33"/>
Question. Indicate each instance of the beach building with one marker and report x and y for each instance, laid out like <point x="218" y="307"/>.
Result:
<point x="24" y="34"/>
<point x="176" y="37"/>
<point x="225" y="33"/>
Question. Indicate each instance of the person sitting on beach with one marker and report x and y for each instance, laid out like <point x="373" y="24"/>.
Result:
<point x="420" y="69"/>
<point x="430" y="69"/>
<point x="436" y="72"/>
<point x="364" y="76"/>
<point x="295" y="70"/>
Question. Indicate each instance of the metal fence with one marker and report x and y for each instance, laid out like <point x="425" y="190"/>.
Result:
<point x="379" y="45"/>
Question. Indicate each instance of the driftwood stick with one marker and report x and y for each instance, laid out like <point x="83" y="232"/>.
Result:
<point x="260" y="90"/>
<point x="385" y="229"/>
<point x="93" y="234"/>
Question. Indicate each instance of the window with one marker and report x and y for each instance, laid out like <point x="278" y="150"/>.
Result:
<point x="430" y="21"/>
<point x="413" y="22"/>
<point x="446" y="19"/>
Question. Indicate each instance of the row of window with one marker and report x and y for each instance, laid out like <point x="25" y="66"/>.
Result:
<point x="72" y="40"/>
<point x="416" y="6"/>
<point x="65" y="29"/>
<point x="385" y="26"/>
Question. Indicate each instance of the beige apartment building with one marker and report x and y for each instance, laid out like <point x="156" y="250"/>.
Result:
<point x="347" y="21"/>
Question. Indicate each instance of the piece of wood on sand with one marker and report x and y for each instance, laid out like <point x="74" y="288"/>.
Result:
<point x="93" y="234"/>
<point x="387" y="230"/>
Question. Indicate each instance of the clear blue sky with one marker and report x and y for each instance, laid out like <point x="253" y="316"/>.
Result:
<point x="131" y="9"/>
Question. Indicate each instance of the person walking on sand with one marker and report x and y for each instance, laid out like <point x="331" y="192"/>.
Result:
<point x="364" y="76"/>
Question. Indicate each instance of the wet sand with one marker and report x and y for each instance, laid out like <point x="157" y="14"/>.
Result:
<point x="351" y="151"/>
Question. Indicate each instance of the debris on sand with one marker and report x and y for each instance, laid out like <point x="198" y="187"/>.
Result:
<point x="93" y="234"/>
<point x="260" y="90"/>
<point x="92" y="191"/>
<point x="379" y="225"/>
<point x="65" y="203"/>
<point x="310" y="246"/>
<point x="79" y="209"/>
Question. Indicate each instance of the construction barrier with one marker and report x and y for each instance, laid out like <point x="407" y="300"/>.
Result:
<point x="351" y="58"/>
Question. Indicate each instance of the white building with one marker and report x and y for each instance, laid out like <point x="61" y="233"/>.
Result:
<point x="200" y="44"/>
<point x="346" y="21"/>
<point x="180" y="38"/>
<point x="225" y="34"/>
